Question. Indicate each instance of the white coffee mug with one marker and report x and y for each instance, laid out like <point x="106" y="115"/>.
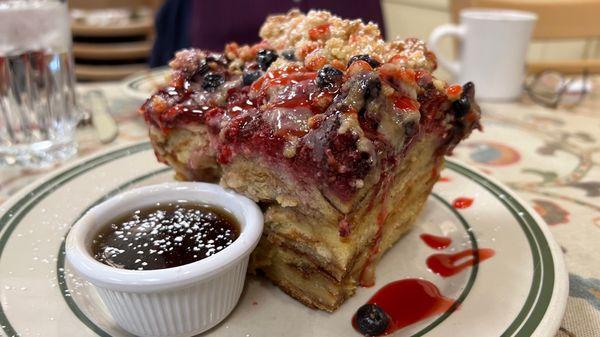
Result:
<point x="493" y="48"/>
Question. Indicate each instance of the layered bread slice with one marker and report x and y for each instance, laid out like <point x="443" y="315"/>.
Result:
<point x="338" y="135"/>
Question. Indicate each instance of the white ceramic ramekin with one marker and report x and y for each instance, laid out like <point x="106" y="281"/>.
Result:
<point x="179" y="301"/>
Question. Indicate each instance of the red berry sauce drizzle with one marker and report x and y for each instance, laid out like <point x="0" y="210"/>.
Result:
<point x="408" y="301"/>
<point x="367" y="275"/>
<point x="436" y="242"/>
<point x="451" y="264"/>
<point x="462" y="202"/>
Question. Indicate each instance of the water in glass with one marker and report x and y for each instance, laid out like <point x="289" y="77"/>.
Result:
<point x="38" y="112"/>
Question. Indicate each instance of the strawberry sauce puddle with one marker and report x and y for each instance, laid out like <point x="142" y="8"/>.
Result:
<point x="409" y="301"/>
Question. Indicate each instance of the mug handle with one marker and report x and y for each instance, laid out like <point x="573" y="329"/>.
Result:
<point x="435" y="37"/>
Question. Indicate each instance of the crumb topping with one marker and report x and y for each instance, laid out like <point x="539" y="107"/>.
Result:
<point x="321" y="34"/>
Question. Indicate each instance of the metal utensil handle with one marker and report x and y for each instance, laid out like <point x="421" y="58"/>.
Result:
<point x="102" y="119"/>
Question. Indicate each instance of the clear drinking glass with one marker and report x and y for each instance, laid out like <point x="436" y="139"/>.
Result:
<point x="38" y="113"/>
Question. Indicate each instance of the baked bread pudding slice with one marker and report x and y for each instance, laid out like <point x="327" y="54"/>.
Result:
<point x="337" y="134"/>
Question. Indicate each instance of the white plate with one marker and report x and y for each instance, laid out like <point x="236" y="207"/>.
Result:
<point x="521" y="291"/>
<point x="141" y="85"/>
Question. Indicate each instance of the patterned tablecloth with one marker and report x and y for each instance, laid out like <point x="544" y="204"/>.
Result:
<point x="550" y="157"/>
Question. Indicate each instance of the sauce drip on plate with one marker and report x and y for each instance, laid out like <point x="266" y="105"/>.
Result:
<point x="408" y="301"/>
<point x="462" y="202"/>
<point x="450" y="264"/>
<point x="436" y="242"/>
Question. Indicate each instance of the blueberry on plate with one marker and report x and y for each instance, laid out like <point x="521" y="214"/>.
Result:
<point x="328" y="77"/>
<point x="212" y="81"/>
<point x="250" y="76"/>
<point x="265" y="57"/>
<point x="364" y="57"/>
<point x="371" y="320"/>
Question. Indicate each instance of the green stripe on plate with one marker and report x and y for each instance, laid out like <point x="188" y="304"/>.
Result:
<point x="60" y="263"/>
<point x="13" y="216"/>
<point x="472" y="277"/>
<point x="540" y="294"/>
<point x="524" y="324"/>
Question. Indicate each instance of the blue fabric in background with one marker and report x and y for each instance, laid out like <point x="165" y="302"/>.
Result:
<point x="172" y="33"/>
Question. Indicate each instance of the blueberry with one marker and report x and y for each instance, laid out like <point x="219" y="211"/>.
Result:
<point x="368" y="120"/>
<point x="468" y="89"/>
<point x="364" y="57"/>
<point x="371" y="320"/>
<point x="370" y="87"/>
<point x="461" y="106"/>
<point x="328" y="77"/>
<point x="265" y="57"/>
<point x="203" y="68"/>
<point x="250" y="76"/>
<point x="289" y="55"/>
<point x="217" y="58"/>
<point x="212" y="81"/>
<point x="410" y="128"/>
